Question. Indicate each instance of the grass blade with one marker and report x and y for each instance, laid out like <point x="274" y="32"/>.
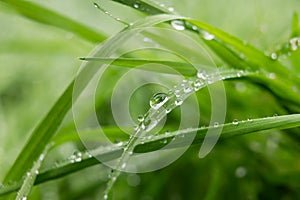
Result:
<point x="49" y="17"/>
<point x="230" y="130"/>
<point x="185" y="69"/>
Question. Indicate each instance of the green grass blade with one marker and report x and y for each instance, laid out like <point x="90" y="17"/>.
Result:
<point x="40" y="137"/>
<point x="185" y="69"/>
<point x="230" y="130"/>
<point x="49" y="17"/>
<point x="31" y="176"/>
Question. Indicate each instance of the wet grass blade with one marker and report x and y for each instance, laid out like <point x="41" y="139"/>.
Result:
<point x="185" y="69"/>
<point x="230" y="130"/>
<point x="49" y="17"/>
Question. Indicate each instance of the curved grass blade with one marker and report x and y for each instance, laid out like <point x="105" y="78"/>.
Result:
<point x="49" y="17"/>
<point x="230" y="130"/>
<point x="185" y="69"/>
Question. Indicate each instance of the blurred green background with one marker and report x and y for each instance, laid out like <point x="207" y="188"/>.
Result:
<point x="38" y="61"/>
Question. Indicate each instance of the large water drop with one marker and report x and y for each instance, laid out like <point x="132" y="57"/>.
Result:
<point x="158" y="100"/>
<point x="178" y="25"/>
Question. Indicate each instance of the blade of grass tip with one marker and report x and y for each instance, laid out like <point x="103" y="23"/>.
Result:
<point x="295" y="26"/>
<point x="185" y="69"/>
<point x="31" y="176"/>
<point x="49" y="17"/>
<point x="230" y="130"/>
<point x="48" y="126"/>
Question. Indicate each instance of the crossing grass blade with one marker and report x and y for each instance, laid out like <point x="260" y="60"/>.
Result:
<point x="230" y="130"/>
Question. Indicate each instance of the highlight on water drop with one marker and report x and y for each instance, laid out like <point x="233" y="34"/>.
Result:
<point x="158" y="100"/>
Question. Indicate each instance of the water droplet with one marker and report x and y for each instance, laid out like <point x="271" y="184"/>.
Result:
<point x="158" y="100"/>
<point x="275" y="115"/>
<point x="295" y="43"/>
<point x="123" y="166"/>
<point x="78" y="156"/>
<point x="249" y="119"/>
<point x="96" y="5"/>
<point x="24" y="198"/>
<point x="195" y="28"/>
<point x="136" y="4"/>
<point x="240" y="172"/>
<point x="105" y="197"/>
<point x="36" y="171"/>
<point x="171" y="9"/>
<point x="216" y="124"/>
<point x="141" y="118"/>
<point x="240" y="73"/>
<point x="178" y="25"/>
<point x="274" y="56"/>
<point x="119" y="144"/>
<point x="235" y="122"/>
<point x="187" y="89"/>
<point x="202" y="74"/>
<point x="197" y="84"/>
<point x="42" y="156"/>
<point x="178" y="102"/>
<point x="130" y="152"/>
<point x="162" y="5"/>
<point x="207" y="36"/>
<point x="272" y="75"/>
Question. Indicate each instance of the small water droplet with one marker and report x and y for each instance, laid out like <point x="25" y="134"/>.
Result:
<point x="187" y="89"/>
<point x="178" y="102"/>
<point x="216" y="124"/>
<point x="141" y="118"/>
<point x="119" y="144"/>
<point x="235" y="122"/>
<point x="195" y="28"/>
<point x="158" y="100"/>
<point x="130" y="152"/>
<point x="165" y="141"/>
<point x="162" y="5"/>
<point x="36" y="171"/>
<point x="197" y="84"/>
<point x="275" y="115"/>
<point x="136" y="5"/>
<point x="105" y="197"/>
<point x="272" y="75"/>
<point x="249" y="119"/>
<point x="24" y="198"/>
<point x="123" y="166"/>
<point x="273" y="56"/>
<point x="178" y="25"/>
<point x="171" y="9"/>
<point x="207" y="36"/>
<point x="202" y="74"/>
<point x="294" y="43"/>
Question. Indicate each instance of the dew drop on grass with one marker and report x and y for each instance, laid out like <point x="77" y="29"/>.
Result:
<point x="207" y="36"/>
<point x="202" y="74"/>
<point x="105" y="197"/>
<point x="178" y="102"/>
<point x="123" y="166"/>
<point x="158" y="100"/>
<point x="216" y="124"/>
<point x="235" y="122"/>
<point x="136" y="5"/>
<point x="274" y="56"/>
<point x="171" y="9"/>
<point x="178" y="25"/>
<point x="272" y="75"/>
<point x="141" y="118"/>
